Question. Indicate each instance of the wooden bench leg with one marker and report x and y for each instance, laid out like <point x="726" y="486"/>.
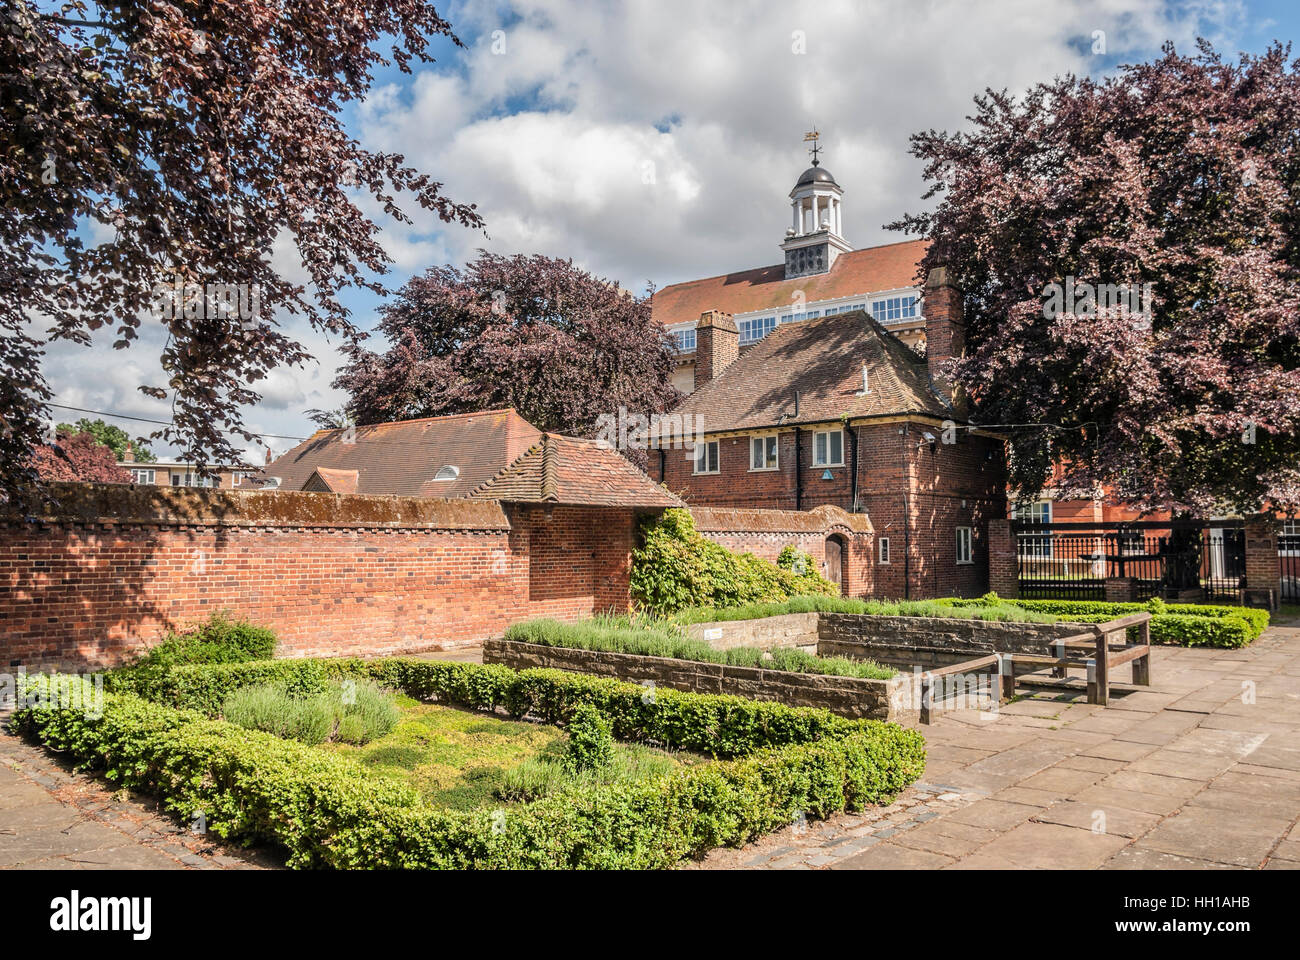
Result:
<point x="1061" y="671"/>
<point x="1006" y="677"/>
<point x="1142" y="671"/>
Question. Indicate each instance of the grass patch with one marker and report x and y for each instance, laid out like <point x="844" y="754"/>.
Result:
<point x="880" y="608"/>
<point x="650" y="639"/>
<point x="465" y="760"/>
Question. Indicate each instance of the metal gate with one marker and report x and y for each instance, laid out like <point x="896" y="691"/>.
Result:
<point x="1073" y="561"/>
<point x="1288" y="555"/>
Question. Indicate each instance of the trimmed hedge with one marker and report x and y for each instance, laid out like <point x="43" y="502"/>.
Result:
<point x="1175" y="624"/>
<point x="328" y="811"/>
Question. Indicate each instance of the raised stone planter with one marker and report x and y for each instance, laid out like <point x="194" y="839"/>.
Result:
<point x="766" y="633"/>
<point x="846" y="696"/>
<point x="930" y="642"/>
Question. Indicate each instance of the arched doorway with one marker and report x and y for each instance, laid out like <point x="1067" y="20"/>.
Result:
<point x="837" y="558"/>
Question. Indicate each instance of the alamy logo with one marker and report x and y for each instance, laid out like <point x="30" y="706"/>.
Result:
<point x="76" y="913"/>
<point x="1088" y="300"/>
<point x="208" y="301"/>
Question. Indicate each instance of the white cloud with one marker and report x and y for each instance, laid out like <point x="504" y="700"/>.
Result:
<point x="658" y="140"/>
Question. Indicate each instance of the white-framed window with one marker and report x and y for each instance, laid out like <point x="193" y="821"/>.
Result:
<point x="142" y="475"/>
<point x="1034" y="511"/>
<point x="685" y="340"/>
<point x="188" y="479"/>
<point x="884" y="549"/>
<point x="1288" y="541"/>
<point x="895" y="309"/>
<point x="755" y="329"/>
<point x="963" y="545"/>
<point x="706" y="457"/>
<point x="828" y="448"/>
<point x="763" y="453"/>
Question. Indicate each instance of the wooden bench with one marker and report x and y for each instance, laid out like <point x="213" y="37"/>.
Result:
<point x="1095" y="652"/>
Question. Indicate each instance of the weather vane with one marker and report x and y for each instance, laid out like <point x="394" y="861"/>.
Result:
<point x="815" y="139"/>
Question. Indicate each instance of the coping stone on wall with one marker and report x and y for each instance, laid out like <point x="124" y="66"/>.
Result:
<point x="148" y="505"/>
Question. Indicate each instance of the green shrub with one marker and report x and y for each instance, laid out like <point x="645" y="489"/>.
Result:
<point x="272" y="710"/>
<point x="677" y="567"/>
<point x="545" y="776"/>
<point x="219" y="640"/>
<point x="652" y="641"/>
<point x="351" y="712"/>
<point x="327" y="811"/>
<point x="591" y="741"/>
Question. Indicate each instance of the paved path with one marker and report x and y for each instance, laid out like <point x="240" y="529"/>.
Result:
<point x="54" y="819"/>
<point x="1201" y="770"/>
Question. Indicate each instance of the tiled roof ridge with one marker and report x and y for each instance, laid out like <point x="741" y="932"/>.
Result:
<point x="781" y="266"/>
<point x="550" y="483"/>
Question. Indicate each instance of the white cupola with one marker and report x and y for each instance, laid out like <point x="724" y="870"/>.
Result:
<point x="816" y="233"/>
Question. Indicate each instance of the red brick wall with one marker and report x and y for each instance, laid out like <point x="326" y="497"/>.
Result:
<point x="765" y="533"/>
<point x="78" y="593"/>
<point x="915" y="494"/>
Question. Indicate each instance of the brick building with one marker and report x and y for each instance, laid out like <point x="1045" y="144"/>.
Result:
<point x="808" y="384"/>
<point x="839" y="411"/>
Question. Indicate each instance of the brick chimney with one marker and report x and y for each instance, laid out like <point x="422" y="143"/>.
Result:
<point x="945" y="331"/>
<point x="269" y="458"/>
<point x="128" y="455"/>
<point x="717" y="345"/>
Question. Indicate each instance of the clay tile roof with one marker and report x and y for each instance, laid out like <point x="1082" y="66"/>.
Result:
<point x="324" y="479"/>
<point x="873" y="270"/>
<point x="821" y="359"/>
<point x="402" y="458"/>
<point x="567" y="470"/>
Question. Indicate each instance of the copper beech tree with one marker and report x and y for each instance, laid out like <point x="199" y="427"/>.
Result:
<point x="1176" y="184"/>
<point x="535" y="333"/>
<point x="78" y="456"/>
<point x="160" y="146"/>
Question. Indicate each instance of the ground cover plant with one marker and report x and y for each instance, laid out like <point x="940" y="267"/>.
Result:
<point x="665" y="639"/>
<point x="462" y="759"/>
<point x="774" y="764"/>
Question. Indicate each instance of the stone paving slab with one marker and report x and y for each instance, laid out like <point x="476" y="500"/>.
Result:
<point x="1183" y="776"/>
<point x="54" y="819"/>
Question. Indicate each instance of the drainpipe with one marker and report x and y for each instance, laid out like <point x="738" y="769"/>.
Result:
<point x="853" y="467"/>
<point x="798" y="472"/>
<point x="907" y="520"/>
<point x="663" y="466"/>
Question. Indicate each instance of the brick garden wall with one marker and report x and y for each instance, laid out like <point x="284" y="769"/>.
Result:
<point x="765" y="533"/>
<point x="114" y="568"/>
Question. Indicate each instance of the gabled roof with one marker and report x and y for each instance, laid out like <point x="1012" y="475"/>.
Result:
<point x="402" y="458"/>
<point x="326" y="480"/>
<point x="567" y="470"/>
<point x="875" y="269"/>
<point x="822" y="360"/>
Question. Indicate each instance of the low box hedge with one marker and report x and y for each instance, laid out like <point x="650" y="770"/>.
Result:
<point x="327" y="811"/>
<point x="1176" y="624"/>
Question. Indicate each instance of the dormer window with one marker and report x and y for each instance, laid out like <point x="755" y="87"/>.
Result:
<point x="447" y="473"/>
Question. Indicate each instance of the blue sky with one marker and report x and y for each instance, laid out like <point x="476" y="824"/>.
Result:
<point x="656" y="141"/>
